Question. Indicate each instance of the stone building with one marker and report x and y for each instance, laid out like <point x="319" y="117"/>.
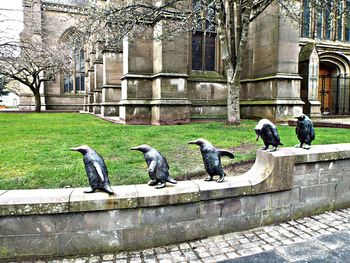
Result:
<point x="288" y="69"/>
<point x="53" y="21"/>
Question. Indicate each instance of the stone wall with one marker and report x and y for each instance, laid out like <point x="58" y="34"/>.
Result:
<point x="287" y="184"/>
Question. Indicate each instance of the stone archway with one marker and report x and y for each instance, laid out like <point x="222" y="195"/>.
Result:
<point x="334" y="83"/>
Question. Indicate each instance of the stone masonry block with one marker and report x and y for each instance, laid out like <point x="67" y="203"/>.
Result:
<point x="169" y="214"/>
<point x="302" y="180"/>
<point x="220" y="208"/>
<point x="342" y="189"/>
<point x="344" y="165"/>
<point x="45" y="201"/>
<point x="70" y="243"/>
<point x="111" y="220"/>
<point x="315" y="167"/>
<point x="255" y="204"/>
<point x="153" y="235"/>
<point x="285" y="198"/>
<point x="28" y="225"/>
<point x="300" y="169"/>
<point x="276" y="215"/>
<point x="182" y="192"/>
<point x="27" y="246"/>
<point x="342" y="202"/>
<point x="210" y="209"/>
<point x="316" y="192"/>
<point x="124" y="197"/>
<point x="313" y="207"/>
<point x="344" y="152"/>
<point x="330" y="176"/>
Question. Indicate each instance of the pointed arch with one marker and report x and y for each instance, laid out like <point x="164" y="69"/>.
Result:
<point x="338" y="59"/>
<point x="74" y="80"/>
<point x="334" y="89"/>
<point x="71" y="34"/>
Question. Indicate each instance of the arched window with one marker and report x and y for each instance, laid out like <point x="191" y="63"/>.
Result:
<point x="306" y="19"/>
<point x="74" y="77"/>
<point x="328" y="20"/>
<point x="74" y="81"/>
<point x="204" y="41"/>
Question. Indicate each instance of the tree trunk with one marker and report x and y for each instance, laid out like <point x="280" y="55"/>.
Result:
<point x="37" y="101"/>
<point x="234" y="76"/>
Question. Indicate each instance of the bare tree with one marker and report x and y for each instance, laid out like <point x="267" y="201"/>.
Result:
<point x="31" y="60"/>
<point x="34" y="65"/>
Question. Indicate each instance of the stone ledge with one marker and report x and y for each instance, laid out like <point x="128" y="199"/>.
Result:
<point x="41" y="201"/>
<point x="271" y="172"/>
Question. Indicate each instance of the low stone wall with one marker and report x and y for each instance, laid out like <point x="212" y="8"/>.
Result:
<point x="283" y="185"/>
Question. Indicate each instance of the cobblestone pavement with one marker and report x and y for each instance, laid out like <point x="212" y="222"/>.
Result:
<point x="284" y="239"/>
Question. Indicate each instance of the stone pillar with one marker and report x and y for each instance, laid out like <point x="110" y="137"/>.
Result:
<point x="111" y="89"/>
<point x="98" y="78"/>
<point x="91" y="76"/>
<point x="87" y="82"/>
<point x="309" y="70"/>
<point x="270" y="83"/>
<point x="170" y="104"/>
<point x="91" y="90"/>
<point x="42" y="97"/>
<point x="136" y="90"/>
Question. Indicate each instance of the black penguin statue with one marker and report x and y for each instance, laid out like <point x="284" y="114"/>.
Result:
<point x="158" y="168"/>
<point x="268" y="133"/>
<point x="212" y="159"/>
<point x="305" y="131"/>
<point x="96" y="170"/>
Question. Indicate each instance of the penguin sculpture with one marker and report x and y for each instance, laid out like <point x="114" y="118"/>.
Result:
<point x="96" y="170"/>
<point x="212" y="159"/>
<point x="305" y="131"/>
<point x="268" y="132"/>
<point x="158" y="168"/>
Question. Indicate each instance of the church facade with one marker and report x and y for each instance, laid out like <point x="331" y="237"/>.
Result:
<point x="288" y="69"/>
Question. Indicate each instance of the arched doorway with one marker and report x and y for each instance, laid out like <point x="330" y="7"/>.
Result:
<point x="334" y="85"/>
<point x="328" y="78"/>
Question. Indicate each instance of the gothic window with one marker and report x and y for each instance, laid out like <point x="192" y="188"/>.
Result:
<point x="74" y="81"/>
<point x="326" y="20"/>
<point x="306" y="19"/>
<point x="347" y="23"/>
<point x="340" y="21"/>
<point x="319" y="24"/>
<point x="204" y="40"/>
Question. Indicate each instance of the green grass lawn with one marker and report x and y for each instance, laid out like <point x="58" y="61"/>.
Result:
<point x="34" y="148"/>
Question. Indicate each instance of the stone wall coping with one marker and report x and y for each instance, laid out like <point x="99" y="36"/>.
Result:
<point x="271" y="172"/>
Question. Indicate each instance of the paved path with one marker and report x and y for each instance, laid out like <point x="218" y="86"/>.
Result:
<point x="321" y="238"/>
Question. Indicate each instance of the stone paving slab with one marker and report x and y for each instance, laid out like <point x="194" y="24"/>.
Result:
<point x="301" y="250"/>
<point x="339" y="256"/>
<point x="264" y="257"/>
<point x="320" y="238"/>
<point x="336" y="240"/>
